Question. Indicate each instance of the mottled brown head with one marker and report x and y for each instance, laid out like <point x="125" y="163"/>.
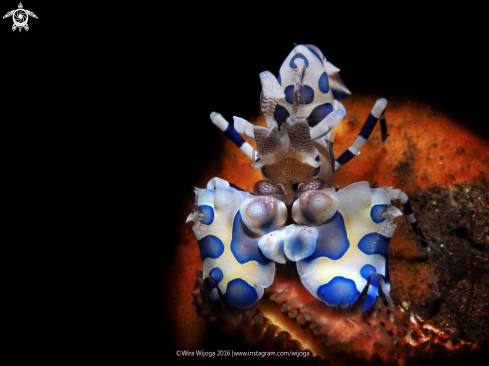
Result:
<point x="291" y="172"/>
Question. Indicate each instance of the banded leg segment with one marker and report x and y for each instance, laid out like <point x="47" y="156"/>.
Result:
<point x="232" y="134"/>
<point x="397" y="194"/>
<point x="377" y="113"/>
<point x="377" y="280"/>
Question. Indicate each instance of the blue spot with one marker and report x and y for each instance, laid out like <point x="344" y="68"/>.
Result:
<point x="244" y="243"/>
<point x="208" y="214"/>
<point x="279" y="79"/>
<point x="339" y="94"/>
<point x="281" y="114"/>
<point x="319" y="113"/>
<point x="215" y="276"/>
<point x="289" y="94"/>
<point x="332" y="241"/>
<point x="296" y="249"/>
<point x="374" y="243"/>
<point x="376" y="213"/>
<point x="240" y="294"/>
<point x="339" y="291"/>
<point x="299" y="55"/>
<point x="367" y="270"/>
<point x="315" y="54"/>
<point x="323" y="83"/>
<point x="210" y="247"/>
<point x="306" y="94"/>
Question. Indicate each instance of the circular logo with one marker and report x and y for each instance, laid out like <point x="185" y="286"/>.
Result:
<point x="20" y="17"/>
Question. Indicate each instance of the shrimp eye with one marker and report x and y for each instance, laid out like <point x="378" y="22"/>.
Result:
<point x="263" y="214"/>
<point x="315" y="207"/>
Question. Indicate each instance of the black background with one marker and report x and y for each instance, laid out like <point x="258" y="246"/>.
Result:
<point x="106" y="127"/>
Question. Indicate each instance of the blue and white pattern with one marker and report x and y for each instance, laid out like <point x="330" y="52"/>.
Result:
<point x="338" y="238"/>
<point x="241" y="235"/>
<point x="305" y="93"/>
<point x="320" y="85"/>
<point x="351" y="247"/>
<point x="229" y="249"/>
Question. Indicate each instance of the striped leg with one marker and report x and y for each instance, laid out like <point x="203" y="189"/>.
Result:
<point x="375" y="281"/>
<point x="376" y="114"/>
<point x="397" y="194"/>
<point x="231" y="133"/>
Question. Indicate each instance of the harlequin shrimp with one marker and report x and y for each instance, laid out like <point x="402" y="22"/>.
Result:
<point x="338" y="238"/>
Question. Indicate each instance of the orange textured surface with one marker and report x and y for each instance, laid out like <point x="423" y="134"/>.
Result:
<point x="424" y="148"/>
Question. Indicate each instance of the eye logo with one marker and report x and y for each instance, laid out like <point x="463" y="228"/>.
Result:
<point x="20" y="17"/>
